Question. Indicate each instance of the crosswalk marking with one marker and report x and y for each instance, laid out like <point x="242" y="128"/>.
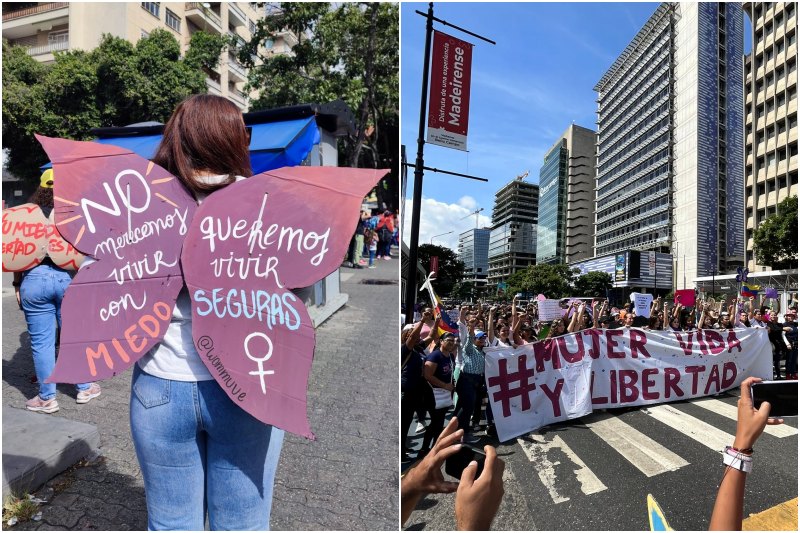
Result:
<point x="537" y="454"/>
<point x="641" y="451"/>
<point x="702" y="432"/>
<point x="730" y="411"/>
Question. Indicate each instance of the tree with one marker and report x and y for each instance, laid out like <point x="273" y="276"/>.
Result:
<point x="775" y="240"/>
<point x="347" y="52"/>
<point x="451" y="268"/>
<point x="115" y="84"/>
<point x="593" y="284"/>
<point x="551" y="280"/>
<point x="463" y="290"/>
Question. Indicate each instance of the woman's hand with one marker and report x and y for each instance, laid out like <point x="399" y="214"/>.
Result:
<point x="477" y="500"/>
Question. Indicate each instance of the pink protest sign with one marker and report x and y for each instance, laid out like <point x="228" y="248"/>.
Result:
<point x="25" y="237"/>
<point x="249" y="244"/>
<point x="131" y="216"/>
<point x="685" y="297"/>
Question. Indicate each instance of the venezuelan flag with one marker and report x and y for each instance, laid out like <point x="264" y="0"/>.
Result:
<point x="446" y="325"/>
<point x="748" y="291"/>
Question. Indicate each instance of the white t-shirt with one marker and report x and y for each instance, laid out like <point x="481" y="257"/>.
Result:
<point x="175" y="356"/>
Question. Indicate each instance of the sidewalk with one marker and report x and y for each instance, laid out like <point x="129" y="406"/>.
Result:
<point x="347" y="479"/>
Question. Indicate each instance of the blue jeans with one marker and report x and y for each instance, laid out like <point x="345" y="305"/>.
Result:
<point x="371" y="257"/>
<point x="199" y="453"/>
<point x="41" y="293"/>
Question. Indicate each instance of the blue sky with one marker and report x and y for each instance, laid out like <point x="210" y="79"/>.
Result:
<point x="526" y="90"/>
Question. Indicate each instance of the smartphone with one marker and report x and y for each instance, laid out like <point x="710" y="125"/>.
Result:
<point x="781" y="395"/>
<point x="455" y="464"/>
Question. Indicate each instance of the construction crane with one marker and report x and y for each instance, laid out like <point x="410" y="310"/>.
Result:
<point x="476" y="216"/>
<point x="522" y="176"/>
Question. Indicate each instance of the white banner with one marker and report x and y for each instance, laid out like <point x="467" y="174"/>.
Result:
<point x="568" y="376"/>
<point x="550" y="310"/>
<point x="641" y="303"/>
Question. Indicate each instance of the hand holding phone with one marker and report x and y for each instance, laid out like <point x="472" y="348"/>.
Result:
<point x="455" y="464"/>
<point x="478" y="497"/>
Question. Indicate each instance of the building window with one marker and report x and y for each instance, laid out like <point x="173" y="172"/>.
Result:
<point x="172" y="20"/>
<point x="251" y="26"/>
<point x="58" y="37"/>
<point x="152" y="7"/>
<point x="144" y="34"/>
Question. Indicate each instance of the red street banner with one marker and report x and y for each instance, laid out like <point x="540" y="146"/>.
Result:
<point x="448" y="102"/>
<point x="567" y="377"/>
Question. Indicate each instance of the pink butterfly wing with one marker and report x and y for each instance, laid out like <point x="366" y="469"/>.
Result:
<point x="131" y="216"/>
<point x="248" y="245"/>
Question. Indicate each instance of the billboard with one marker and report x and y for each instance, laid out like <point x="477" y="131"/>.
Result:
<point x="448" y="100"/>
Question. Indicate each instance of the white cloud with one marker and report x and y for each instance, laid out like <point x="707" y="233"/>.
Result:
<point x="468" y="202"/>
<point x="439" y="217"/>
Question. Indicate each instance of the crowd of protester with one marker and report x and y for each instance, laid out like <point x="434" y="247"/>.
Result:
<point x="372" y="239"/>
<point x="434" y="365"/>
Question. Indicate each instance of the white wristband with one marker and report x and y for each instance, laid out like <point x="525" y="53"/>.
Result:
<point x="739" y="463"/>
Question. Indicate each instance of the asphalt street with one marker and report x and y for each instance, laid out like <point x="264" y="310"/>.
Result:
<point x="345" y="480"/>
<point x="594" y="473"/>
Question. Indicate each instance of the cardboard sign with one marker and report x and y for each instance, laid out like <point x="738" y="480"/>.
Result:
<point x="641" y="303"/>
<point x="568" y="376"/>
<point x="448" y="102"/>
<point x="685" y="297"/>
<point x="550" y="310"/>
<point x="29" y="237"/>
<point x="61" y="252"/>
<point x="249" y="244"/>
<point x="131" y="216"/>
<point x="25" y="237"/>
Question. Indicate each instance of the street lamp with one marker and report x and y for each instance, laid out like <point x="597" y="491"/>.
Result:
<point x="447" y="233"/>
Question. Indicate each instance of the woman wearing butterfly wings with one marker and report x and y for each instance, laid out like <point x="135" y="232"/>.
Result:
<point x="198" y="451"/>
<point x="194" y="292"/>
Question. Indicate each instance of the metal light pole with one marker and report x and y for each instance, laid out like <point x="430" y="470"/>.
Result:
<point x="411" y="282"/>
<point x="447" y="233"/>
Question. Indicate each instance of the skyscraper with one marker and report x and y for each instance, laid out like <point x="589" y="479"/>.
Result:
<point x="770" y="113"/>
<point x="566" y="198"/>
<point x="473" y="250"/>
<point x="512" y="242"/>
<point x="670" y="140"/>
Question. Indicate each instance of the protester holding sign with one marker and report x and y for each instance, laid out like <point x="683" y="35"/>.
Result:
<point x="39" y="292"/>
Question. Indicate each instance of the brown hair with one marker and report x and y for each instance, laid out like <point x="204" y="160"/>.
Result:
<point x="42" y="196"/>
<point x="205" y="133"/>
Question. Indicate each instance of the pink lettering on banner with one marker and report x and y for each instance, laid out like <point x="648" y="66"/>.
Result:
<point x="612" y="368"/>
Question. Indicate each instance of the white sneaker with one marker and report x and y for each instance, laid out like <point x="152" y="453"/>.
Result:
<point x="85" y="396"/>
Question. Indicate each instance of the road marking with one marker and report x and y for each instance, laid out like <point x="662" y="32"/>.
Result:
<point x="641" y="451"/>
<point x="537" y="452"/>
<point x="702" y="432"/>
<point x="782" y="517"/>
<point x="730" y="411"/>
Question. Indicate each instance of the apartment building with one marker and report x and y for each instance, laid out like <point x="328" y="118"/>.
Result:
<point x="512" y="241"/>
<point x="48" y="27"/>
<point x="566" y="198"/>
<point x="770" y="77"/>
<point x="473" y="250"/>
<point x="670" y="169"/>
